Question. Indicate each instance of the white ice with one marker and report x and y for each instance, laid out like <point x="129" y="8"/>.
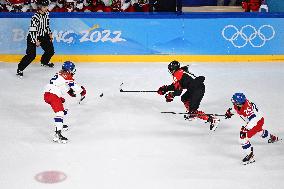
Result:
<point x="122" y="141"/>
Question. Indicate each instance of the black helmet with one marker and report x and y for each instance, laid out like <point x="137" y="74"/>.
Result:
<point x="173" y="66"/>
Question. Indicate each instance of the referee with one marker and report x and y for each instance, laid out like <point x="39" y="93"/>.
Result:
<point x="39" y="35"/>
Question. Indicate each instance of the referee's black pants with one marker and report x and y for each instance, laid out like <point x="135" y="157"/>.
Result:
<point x="45" y="44"/>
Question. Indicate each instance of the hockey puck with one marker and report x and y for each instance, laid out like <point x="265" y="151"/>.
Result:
<point x="50" y="177"/>
<point x="101" y="95"/>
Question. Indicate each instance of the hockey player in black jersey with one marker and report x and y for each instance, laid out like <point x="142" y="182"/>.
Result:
<point x="195" y="89"/>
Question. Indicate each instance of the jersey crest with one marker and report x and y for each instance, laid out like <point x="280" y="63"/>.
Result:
<point x="177" y="77"/>
<point x="66" y="75"/>
<point x="248" y="110"/>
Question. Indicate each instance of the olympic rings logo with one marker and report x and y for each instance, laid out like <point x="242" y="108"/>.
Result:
<point x="248" y="34"/>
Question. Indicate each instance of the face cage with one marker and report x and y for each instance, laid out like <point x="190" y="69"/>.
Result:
<point x="169" y="71"/>
<point x="70" y="71"/>
<point x="74" y="71"/>
<point x="172" y="72"/>
<point x="235" y="103"/>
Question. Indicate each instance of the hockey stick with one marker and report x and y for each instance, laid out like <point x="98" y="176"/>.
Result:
<point x="243" y="119"/>
<point x="123" y="91"/>
<point x="81" y="99"/>
<point x="184" y="113"/>
<point x="133" y="91"/>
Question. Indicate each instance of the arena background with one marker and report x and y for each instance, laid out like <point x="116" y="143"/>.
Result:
<point x="122" y="140"/>
<point x="157" y="37"/>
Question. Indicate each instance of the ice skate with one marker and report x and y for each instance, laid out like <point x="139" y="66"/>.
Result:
<point x="213" y="122"/>
<point x="189" y="117"/>
<point x="20" y="73"/>
<point x="249" y="158"/>
<point x="65" y="128"/>
<point x="59" y="138"/>
<point x="273" y="139"/>
<point x="50" y="65"/>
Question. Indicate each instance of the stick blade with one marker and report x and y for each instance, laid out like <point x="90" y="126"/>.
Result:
<point x="168" y="112"/>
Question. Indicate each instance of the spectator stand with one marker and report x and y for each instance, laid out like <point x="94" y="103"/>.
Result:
<point x="77" y="6"/>
<point x="211" y="6"/>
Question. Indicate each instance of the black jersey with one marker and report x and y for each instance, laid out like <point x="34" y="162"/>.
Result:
<point x="182" y="79"/>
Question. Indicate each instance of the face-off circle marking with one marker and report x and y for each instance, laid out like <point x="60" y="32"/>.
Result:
<point x="50" y="177"/>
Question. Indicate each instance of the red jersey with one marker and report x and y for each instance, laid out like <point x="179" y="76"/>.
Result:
<point x="248" y="111"/>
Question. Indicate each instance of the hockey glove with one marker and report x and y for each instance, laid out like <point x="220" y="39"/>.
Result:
<point x="83" y="93"/>
<point x="228" y="114"/>
<point x="243" y="132"/>
<point x="62" y="99"/>
<point x="71" y="92"/>
<point x="162" y="90"/>
<point x="169" y="97"/>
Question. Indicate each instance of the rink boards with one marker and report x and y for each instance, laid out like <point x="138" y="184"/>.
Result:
<point x="139" y="37"/>
<point x="151" y="58"/>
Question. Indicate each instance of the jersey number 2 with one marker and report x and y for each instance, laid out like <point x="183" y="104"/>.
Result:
<point x="53" y="79"/>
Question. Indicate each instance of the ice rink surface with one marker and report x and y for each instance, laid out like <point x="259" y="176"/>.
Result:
<point x="122" y="141"/>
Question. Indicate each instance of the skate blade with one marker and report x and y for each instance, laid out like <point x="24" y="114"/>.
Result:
<point x="47" y="66"/>
<point x="63" y="141"/>
<point x="189" y="119"/>
<point x="249" y="162"/>
<point x="269" y="141"/>
<point x="19" y="77"/>
<point x="213" y="128"/>
<point x="56" y="140"/>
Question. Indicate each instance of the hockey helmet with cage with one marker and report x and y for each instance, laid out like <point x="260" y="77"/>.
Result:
<point x="69" y="66"/>
<point x="173" y="66"/>
<point x="238" y="99"/>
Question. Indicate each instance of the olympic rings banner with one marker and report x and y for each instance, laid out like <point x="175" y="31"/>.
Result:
<point x="150" y="35"/>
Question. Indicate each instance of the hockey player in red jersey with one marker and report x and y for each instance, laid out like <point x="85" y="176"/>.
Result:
<point x="255" y="124"/>
<point x="191" y="99"/>
<point x="63" y="82"/>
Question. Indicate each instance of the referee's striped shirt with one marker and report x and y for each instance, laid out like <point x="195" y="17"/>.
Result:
<point x="39" y="26"/>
